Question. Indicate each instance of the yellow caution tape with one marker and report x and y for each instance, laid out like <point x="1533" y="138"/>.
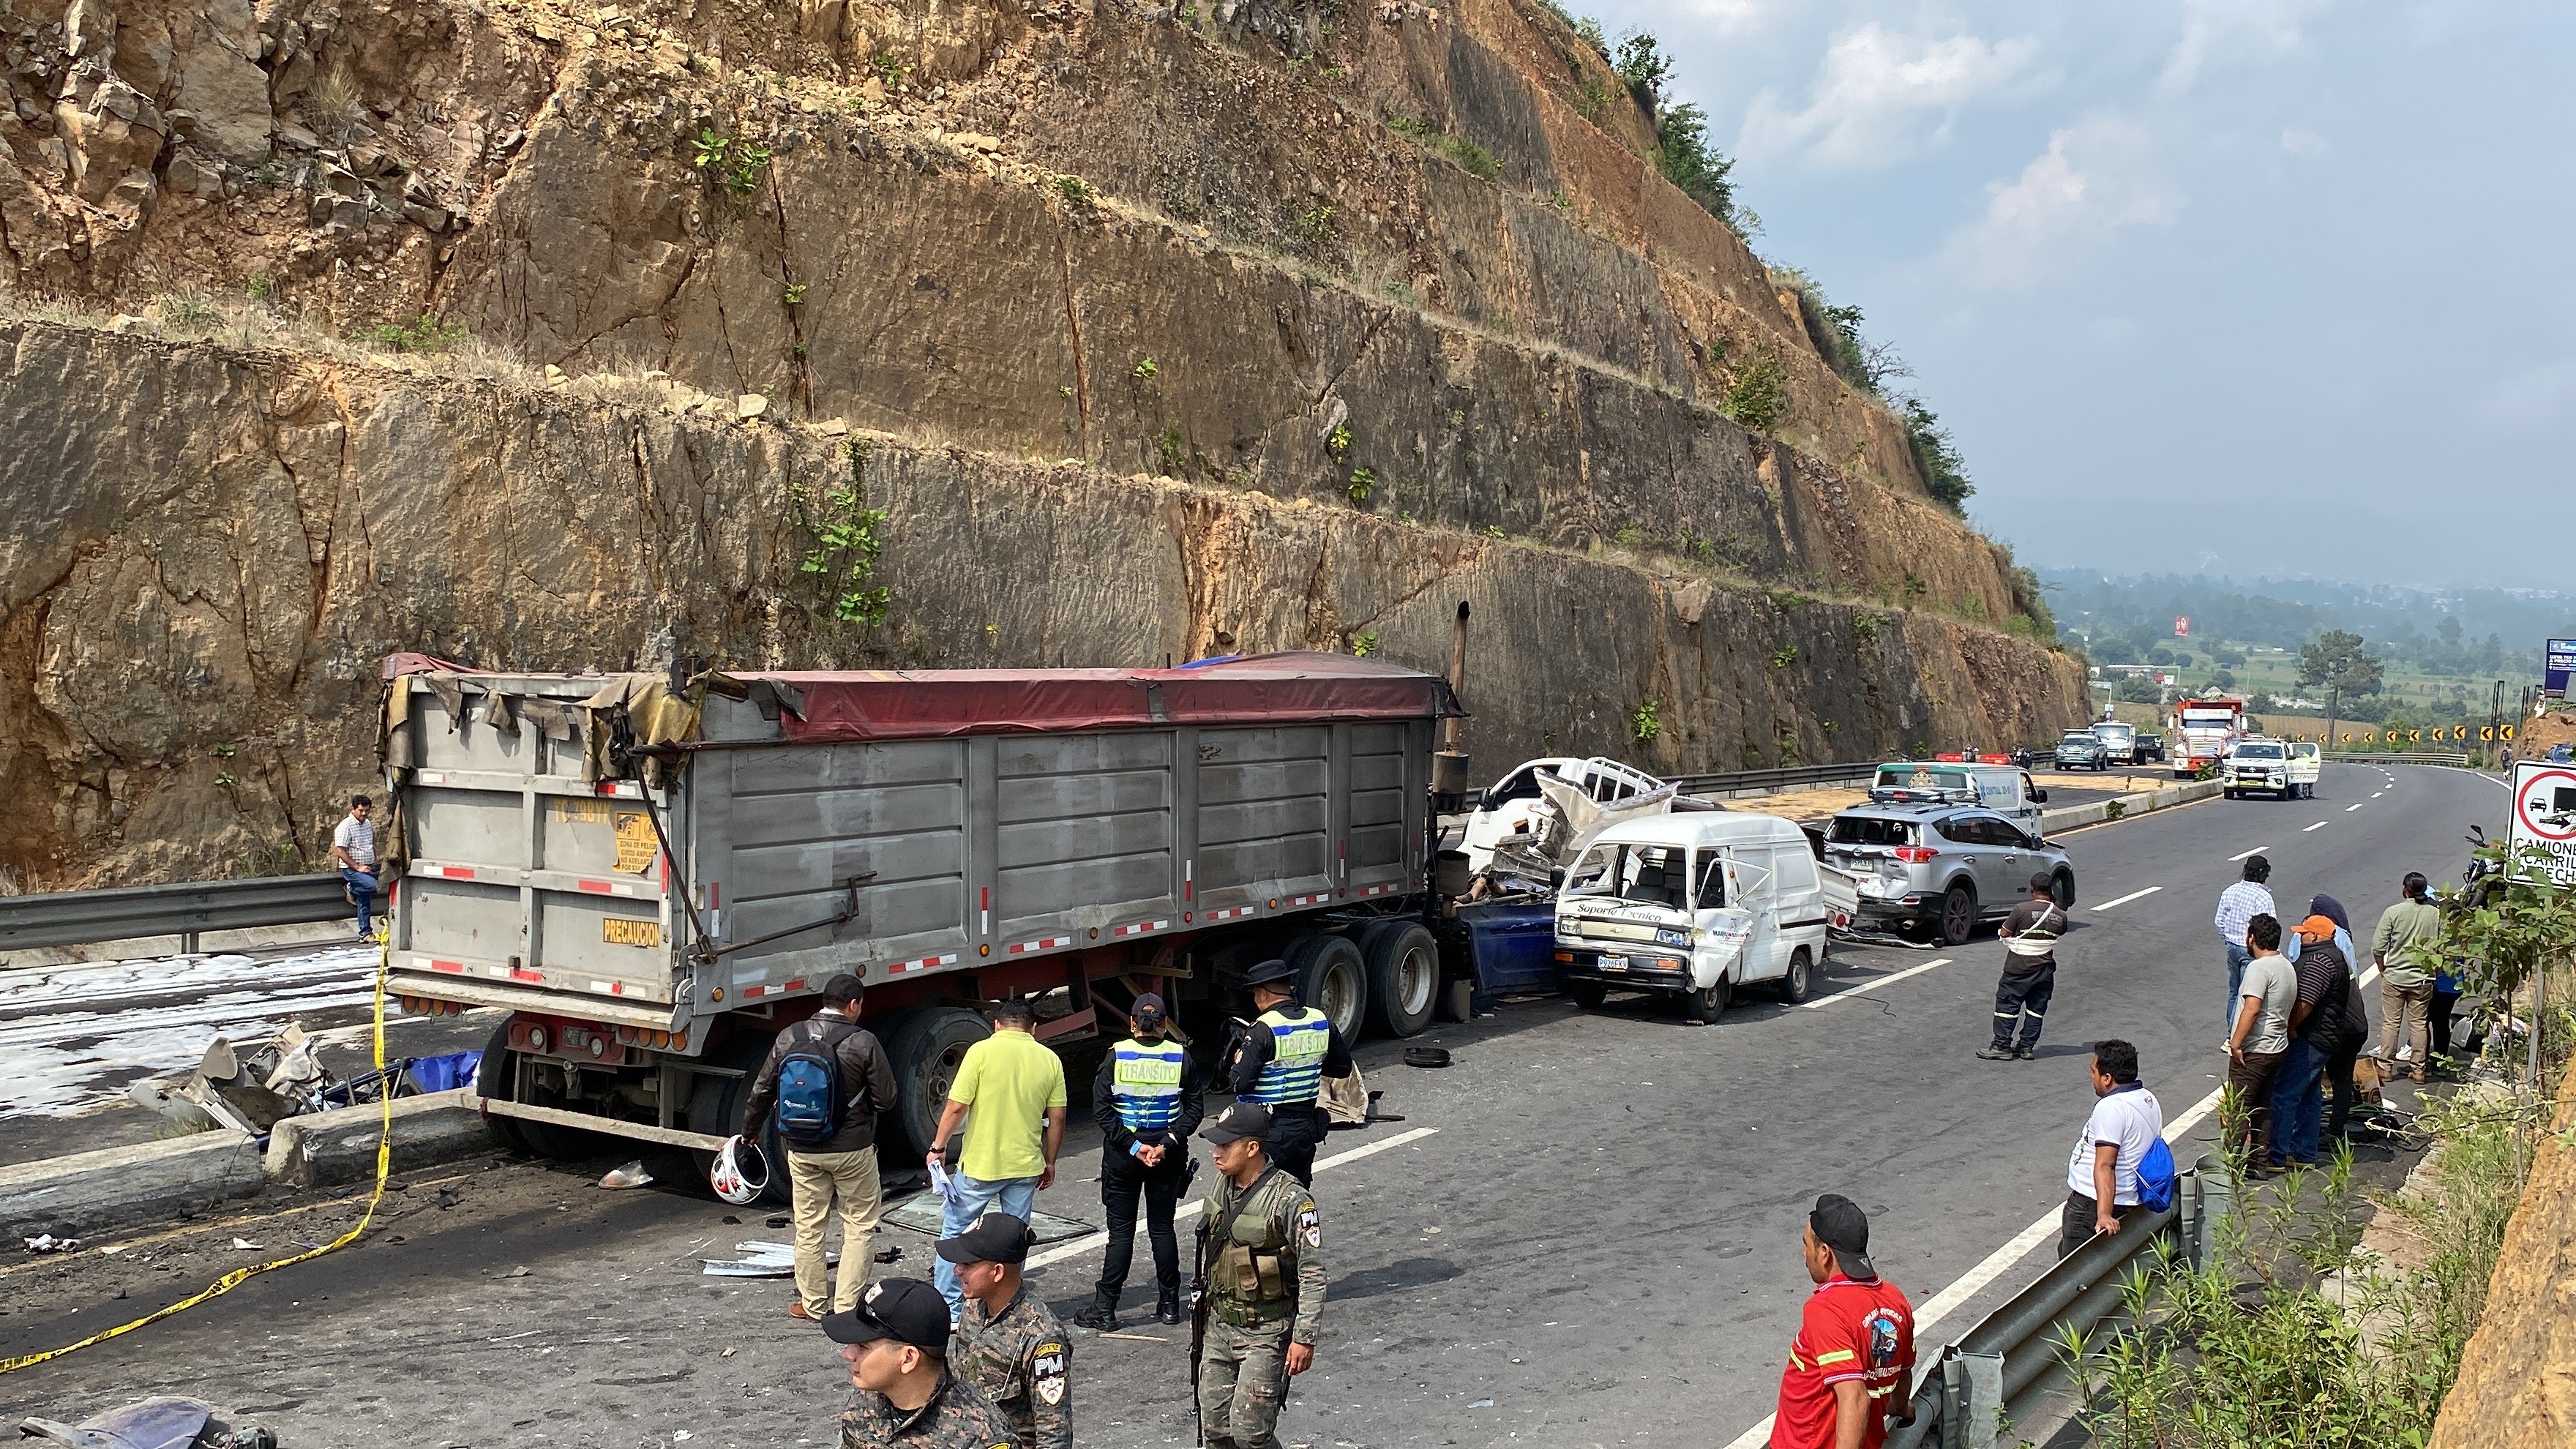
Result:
<point x="239" y="1276"/>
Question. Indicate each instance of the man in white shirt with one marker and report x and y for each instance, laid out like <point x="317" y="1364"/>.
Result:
<point x="2238" y="905"/>
<point x="2102" y="1176"/>
<point x="353" y="849"/>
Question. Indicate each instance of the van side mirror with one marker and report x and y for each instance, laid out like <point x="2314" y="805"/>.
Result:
<point x="2038" y="795"/>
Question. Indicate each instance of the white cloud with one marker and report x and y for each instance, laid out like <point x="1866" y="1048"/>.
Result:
<point x="2220" y="31"/>
<point x="2093" y="179"/>
<point x="1879" y="96"/>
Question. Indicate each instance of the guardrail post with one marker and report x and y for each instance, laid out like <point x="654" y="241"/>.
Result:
<point x="2213" y="1196"/>
<point x="1954" y="1400"/>
<point x="187" y="943"/>
<point x="1981" y="1377"/>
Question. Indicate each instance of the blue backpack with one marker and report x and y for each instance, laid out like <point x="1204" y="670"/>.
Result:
<point x="809" y="1088"/>
<point x="2156" y="1178"/>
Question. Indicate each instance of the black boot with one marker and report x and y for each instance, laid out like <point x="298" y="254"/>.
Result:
<point x="1167" y="1309"/>
<point x="1102" y="1313"/>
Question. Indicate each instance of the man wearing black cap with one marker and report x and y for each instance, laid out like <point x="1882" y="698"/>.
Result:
<point x="1851" y="1367"/>
<point x="1281" y="1063"/>
<point x="1148" y="1100"/>
<point x="1261" y="1260"/>
<point x="896" y="1346"/>
<point x="837" y="1080"/>
<point x="1008" y="1344"/>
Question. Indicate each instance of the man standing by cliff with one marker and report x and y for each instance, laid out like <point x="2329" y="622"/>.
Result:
<point x="353" y="849"/>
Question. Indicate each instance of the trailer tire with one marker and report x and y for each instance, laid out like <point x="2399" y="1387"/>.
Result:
<point x="1332" y="978"/>
<point x="500" y="1065"/>
<point x="925" y="1049"/>
<point x="1403" y="976"/>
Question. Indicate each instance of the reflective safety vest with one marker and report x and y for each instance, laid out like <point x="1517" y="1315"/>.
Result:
<point x="1146" y="1084"/>
<point x="1295" y="1071"/>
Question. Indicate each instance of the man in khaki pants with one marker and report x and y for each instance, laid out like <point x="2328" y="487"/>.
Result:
<point x="2406" y="947"/>
<point x="823" y="1084"/>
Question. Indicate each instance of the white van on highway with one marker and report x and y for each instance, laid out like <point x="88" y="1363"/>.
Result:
<point x="1695" y="905"/>
<point x="2307" y="762"/>
<point x="2007" y="790"/>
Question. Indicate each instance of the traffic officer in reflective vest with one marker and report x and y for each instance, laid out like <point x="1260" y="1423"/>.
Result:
<point x="1008" y="1343"/>
<point x="1281" y="1064"/>
<point x="1262" y="1267"/>
<point x="1147" y="1099"/>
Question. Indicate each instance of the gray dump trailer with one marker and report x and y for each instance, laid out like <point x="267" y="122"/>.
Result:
<point x="653" y="878"/>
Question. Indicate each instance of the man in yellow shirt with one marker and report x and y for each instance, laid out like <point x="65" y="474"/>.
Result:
<point x="1006" y="1153"/>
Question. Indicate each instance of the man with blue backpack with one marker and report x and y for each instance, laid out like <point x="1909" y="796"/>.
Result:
<point x="2121" y="1161"/>
<point x="822" y="1086"/>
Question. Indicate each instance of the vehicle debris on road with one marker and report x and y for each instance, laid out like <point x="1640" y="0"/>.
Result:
<point x="48" y="1243"/>
<point x="631" y="1174"/>
<point x="162" y="1421"/>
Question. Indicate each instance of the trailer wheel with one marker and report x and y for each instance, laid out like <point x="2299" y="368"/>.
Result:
<point x="495" y="1076"/>
<point x="925" y="1051"/>
<point x="1332" y="978"/>
<point x="1403" y="976"/>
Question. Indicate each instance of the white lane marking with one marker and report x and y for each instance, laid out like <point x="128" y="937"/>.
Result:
<point x="2375" y="794"/>
<point x="1080" y="1246"/>
<point x="2258" y="850"/>
<point x="2133" y="895"/>
<point x="2355" y="805"/>
<point x="2320" y="825"/>
<point x="1942" y="1304"/>
<point x="1876" y="982"/>
<point x="2368" y="975"/>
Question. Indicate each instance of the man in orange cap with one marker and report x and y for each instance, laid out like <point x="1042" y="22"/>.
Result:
<point x="2316" y="1025"/>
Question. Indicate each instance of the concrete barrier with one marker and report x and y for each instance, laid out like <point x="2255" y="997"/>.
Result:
<point x="88" y="1193"/>
<point x="326" y="1149"/>
<point x="2075" y="817"/>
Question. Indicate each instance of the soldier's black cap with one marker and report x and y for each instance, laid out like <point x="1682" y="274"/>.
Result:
<point x="1839" y="1224"/>
<point x="995" y="1238"/>
<point x="905" y="1310"/>
<point x="1267" y="973"/>
<point x="1236" y="1122"/>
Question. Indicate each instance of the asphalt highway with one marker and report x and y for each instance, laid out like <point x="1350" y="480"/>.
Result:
<point x="1585" y="1232"/>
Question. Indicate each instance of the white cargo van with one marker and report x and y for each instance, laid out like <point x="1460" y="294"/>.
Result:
<point x="2005" y="789"/>
<point x="1693" y="905"/>
<point x="2307" y="762"/>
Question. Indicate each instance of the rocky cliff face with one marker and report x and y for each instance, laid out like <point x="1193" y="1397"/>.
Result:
<point x="1153" y="331"/>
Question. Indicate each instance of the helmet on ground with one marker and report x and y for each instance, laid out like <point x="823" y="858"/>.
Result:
<point x="741" y="1173"/>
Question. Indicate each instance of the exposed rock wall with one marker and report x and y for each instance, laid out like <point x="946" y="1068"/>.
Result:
<point x="2517" y="1383"/>
<point x="209" y="549"/>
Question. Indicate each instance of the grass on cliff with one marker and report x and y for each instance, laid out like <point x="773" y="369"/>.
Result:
<point x="2299" y="1334"/>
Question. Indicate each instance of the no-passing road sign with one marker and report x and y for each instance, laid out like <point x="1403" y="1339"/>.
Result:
<point x="2544" y="814"/>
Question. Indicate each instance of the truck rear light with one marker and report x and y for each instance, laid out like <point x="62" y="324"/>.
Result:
<point x="1915" y="854"/>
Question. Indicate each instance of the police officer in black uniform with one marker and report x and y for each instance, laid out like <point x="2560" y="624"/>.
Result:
<point x="1281" y="1062"/>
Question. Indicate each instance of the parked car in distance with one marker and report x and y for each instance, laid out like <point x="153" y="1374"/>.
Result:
<point x="2079" y="750"/>
<point x="2007" y="791"/>
<point x="2150" y="748"/>
<point x="1940" y="866"/>
<point x="2119" y="742"/>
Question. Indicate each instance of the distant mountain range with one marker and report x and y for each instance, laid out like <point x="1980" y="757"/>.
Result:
<point x="2288" y="612"/>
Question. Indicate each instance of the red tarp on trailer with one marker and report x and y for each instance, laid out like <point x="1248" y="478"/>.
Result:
<point x="1297" y="688"/>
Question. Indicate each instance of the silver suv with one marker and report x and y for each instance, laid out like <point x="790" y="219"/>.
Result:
<point x="1940" y="866"/>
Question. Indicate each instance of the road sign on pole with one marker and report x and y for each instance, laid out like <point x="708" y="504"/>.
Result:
<point x="2559" y="663"/>
<point x="2544" y="815"/>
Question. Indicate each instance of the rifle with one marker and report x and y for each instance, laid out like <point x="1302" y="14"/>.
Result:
<point x="1198" y="1324"/>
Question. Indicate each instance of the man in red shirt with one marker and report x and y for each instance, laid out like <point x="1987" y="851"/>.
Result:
<point x="1852" y="1365"/>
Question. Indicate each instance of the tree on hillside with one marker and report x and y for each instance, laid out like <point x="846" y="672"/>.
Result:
<point x="2335" y="661"/>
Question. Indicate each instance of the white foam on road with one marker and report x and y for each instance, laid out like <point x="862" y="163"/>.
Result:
<point x="1876" y="982"/>
<point x="2134" y="895"/>
<point x="72" y="1037"/>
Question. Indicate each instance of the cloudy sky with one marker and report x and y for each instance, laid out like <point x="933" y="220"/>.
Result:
<point x="2255" y="286"/>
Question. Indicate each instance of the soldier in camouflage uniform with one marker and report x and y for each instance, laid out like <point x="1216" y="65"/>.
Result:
<point x="896" y="1346"/>
<point x="1261" y="1265"/>
<point x="1007" y="1343"/>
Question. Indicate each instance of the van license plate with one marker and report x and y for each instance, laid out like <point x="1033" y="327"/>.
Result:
<point x="1614" y="963"/>
<point x="619" y="931"/>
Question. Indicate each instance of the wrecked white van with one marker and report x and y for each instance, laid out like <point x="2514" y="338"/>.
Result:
<point x="1693" y="905"/>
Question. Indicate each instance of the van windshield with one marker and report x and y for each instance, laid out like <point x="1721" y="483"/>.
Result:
<point x="1649" y="875"/>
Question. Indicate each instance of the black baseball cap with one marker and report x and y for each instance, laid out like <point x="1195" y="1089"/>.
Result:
<point x="995" y="1238"/>
<point x="1238" y="1121"/>
<point x="905" y="1310"/>
<point x="1839" y="1224"/>
<point x="1148" y="1010"/>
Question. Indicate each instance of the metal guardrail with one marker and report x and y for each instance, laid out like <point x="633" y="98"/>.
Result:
<point x="2423" y="757"/>
<point x="124" y="913"/>
<point x="1745" y="782"/>
<point x="2010" y="1359"/>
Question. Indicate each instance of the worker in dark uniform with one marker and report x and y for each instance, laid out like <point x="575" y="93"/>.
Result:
<point x="1148" y="1099"/>
<point x="896" y="1346"/>
<point x="1008" y="1343"/>
<point x="1281" y="1063"/>
<point x="2030" y="936"/>
<point x="1260" y="1264"/>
